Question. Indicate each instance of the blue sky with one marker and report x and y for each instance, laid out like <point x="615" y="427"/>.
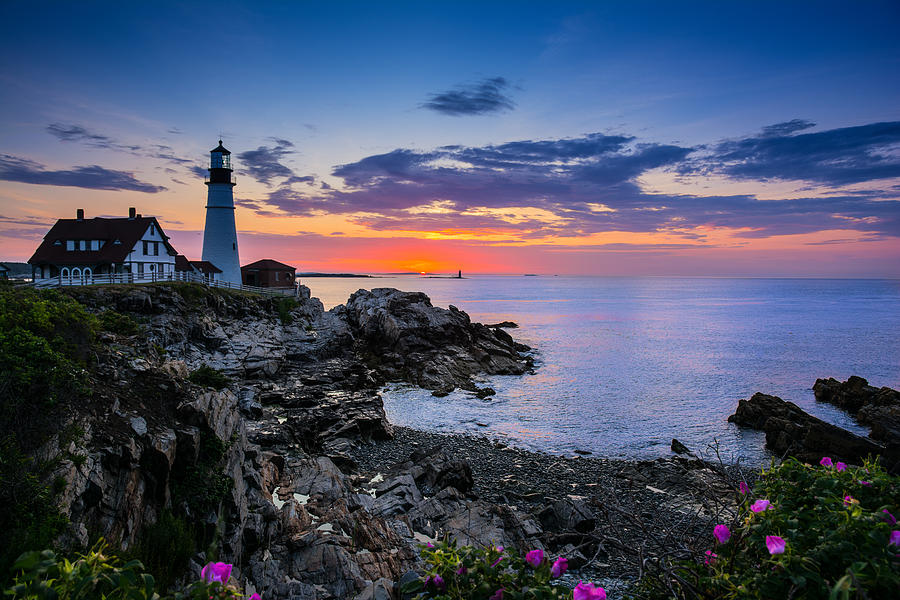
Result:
<point x="366" y="121"/>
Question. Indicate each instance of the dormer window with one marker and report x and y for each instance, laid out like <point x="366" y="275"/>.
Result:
<point x="70" y="245"/>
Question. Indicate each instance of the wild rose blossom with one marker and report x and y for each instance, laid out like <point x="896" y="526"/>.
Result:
<point x="721" y="533"/>
<point x="439" y="582"/>
<point x="219" y="571"/>
<point x="840" y="466"/>
<point x="825" y="462"/>
<point x="863" y="482"/>
<point x="895" y="538"/>
<point x="775" y="544"/>
<point x="848" y="500"/>
<point x="498" y="595"/>
<point x="429" y="545"/>
<point x="760" y="505"/>
<point x="710" y="557"/>
<point x="588" y="591"/>
<point x="744" y="488"/>
<point x="535" y="558"/>
<point x="888" y="517"/>
<point x="560" y="566"/>
<point x="462" y="570"/>
<point x="255" y="597"/>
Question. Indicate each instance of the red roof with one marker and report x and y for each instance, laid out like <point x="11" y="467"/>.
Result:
<point x="267" y="264"/>
<point x="204" y="266"/>
<point x="120" y="235"/>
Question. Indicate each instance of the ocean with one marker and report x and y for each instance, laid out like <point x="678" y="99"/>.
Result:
<point x="623" y="364"/>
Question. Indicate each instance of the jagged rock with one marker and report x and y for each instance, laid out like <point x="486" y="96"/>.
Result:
<point x="679" y="448"/>
<point x="572" y="513"/>
<point x="383" y="589"/>
<point x="434" y="469"/>
<point x="504" y="324"/>
<point x="854" y="394"/>
<point x="792" y="432"/>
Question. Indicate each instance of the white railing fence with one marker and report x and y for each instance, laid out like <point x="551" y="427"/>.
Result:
<point x="114" y="278"/>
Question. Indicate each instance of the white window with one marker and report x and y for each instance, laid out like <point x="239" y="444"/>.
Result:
<point x="70" y="245"/>
<point x="83" y="244"/>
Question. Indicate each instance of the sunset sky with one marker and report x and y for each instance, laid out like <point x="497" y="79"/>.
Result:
<point x="610" y="138"/>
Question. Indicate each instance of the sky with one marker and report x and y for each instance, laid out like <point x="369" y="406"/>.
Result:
<point x="717" y="138"/>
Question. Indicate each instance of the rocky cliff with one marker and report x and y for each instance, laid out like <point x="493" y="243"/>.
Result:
<point x="263" y="467"/>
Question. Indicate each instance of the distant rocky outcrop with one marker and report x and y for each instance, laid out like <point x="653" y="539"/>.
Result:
<point x="792" y="432"/>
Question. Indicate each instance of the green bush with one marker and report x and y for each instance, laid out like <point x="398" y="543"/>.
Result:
<point x="99" y="575"/>
<point x="285" y="306"/>
<point x="203" y="485"/>
<point x="45" y="340"/>
<point x="209" y="377"/>
<point x="802" y="532"/>
<point x="463" y="573"/>
<point x="166" y="548"/>
<point x="116" y="322"/>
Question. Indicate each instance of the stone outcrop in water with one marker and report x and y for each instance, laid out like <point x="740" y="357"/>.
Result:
<point x="879" y="408"/>
<point x="792" y="432"/>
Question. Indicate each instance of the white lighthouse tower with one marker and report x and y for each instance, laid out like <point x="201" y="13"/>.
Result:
<point x="220" y="235"/>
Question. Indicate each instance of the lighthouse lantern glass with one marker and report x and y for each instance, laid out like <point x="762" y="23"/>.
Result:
<point x="219" y="161"/>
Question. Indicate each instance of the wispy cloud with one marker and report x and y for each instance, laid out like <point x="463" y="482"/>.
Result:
<point x="93" y="177"/>
<point x="484" y="97"/>
<point x="836" y="157"/>
<point x="265" y="163"/>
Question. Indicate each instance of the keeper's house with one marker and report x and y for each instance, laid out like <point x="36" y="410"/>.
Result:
<point x="268" y="273"/>
<point x="76" y="250"/>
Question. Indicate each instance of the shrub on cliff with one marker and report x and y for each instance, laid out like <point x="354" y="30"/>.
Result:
<point x="45" y="341"/>
<point x="98" y="574"/>
<point x="494" y="573"/>
<point x="824" y="531"/>
<point x="209" y="377"/>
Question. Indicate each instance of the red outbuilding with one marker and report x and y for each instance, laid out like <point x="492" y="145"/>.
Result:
<point x="268" y="273"/>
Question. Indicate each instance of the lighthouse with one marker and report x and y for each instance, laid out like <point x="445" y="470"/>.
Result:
<point x="219" y="234"/>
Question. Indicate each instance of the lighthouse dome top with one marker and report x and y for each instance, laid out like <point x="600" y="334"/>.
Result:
<point x="220" y="149"/>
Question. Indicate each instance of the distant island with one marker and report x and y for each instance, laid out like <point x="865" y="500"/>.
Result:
<point x="331" y="275"/>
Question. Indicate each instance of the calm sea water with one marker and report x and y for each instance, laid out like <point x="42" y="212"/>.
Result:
<point x="626" y="364"/>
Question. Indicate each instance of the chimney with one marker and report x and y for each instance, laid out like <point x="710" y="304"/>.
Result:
<point x="79" y="214"/>
<point x="131" y="214"/>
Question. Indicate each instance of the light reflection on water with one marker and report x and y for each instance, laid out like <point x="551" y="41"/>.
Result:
<point x="626" y="364"/>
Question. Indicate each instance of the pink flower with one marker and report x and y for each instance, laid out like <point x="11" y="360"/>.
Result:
<point x="862" y="482"/>
<point x="760" y="505"/>
<point x="219" y="571"/>
<point x="848" y="500"/>
<point x="775" y="544"/>
<point x="498" y="549"/>
<point x="744" y="488"/>
<point x="840" y="466"/>
<point x="825" y="462"/>
<point x="721" y="533"/>
<point x="888" y="517"/>
<point x="895" y="538"/>
<point x="429" y="545"/>
<point x="498" y="595"/>
<point x="439" y="582"/>
<point x="560" y="566"/>
<point x="255" y="597"/>
<point x="496" y="562"/>
<point x="710" y="557"/>
<point x="462" y="570"/>
<point x="535" y="558"/>
<point x="588" y="591"/>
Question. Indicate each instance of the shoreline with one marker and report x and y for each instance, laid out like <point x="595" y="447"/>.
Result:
<point x="629" y="500"/>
